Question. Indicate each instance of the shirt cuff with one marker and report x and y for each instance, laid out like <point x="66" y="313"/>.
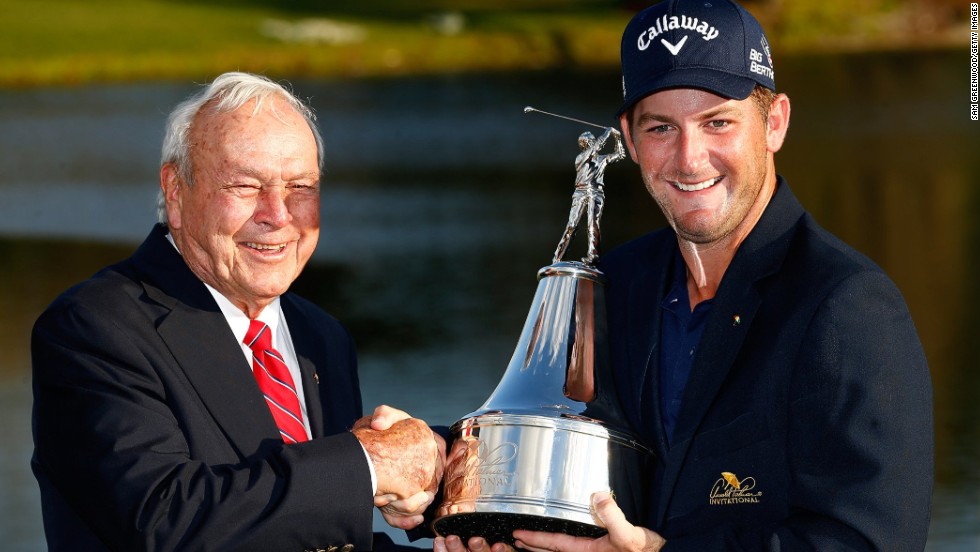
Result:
<point x="374" y="476"/>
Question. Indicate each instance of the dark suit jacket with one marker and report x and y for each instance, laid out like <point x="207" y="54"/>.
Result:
<point x="807" y="420"/>
<point x="151" y="434"/>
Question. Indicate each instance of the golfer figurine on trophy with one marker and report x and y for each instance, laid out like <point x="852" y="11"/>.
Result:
<point x="589" y="194"/>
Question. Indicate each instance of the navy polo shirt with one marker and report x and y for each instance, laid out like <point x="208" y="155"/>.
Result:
<point x="680" y="334"/>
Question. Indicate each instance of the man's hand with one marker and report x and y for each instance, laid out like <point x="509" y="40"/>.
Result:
<point x="404" y="514"/>
<point x="452" y="543"/>
<point x="408" y="461"/>
<point x="622" y="536"/>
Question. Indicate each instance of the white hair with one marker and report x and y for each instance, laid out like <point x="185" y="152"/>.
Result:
<point x="227" y="92"/>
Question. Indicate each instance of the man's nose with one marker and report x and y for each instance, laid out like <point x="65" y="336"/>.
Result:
<point x="271" y="208"/>
<point x="692" y="153"/>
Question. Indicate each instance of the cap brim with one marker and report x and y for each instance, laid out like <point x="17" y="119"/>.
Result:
<point x="717" y="82"/>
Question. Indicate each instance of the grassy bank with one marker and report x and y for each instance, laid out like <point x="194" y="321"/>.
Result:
<point x="59" y="42"/>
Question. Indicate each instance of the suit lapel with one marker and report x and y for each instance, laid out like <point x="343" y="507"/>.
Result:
<point x="736" y="303"/>
<point x="197" y="335"/>
<point x="721" y="342"/>
<point x="209" y="355"/>
<point x="304" y="345"/>
<point x="646" y="292"/>
<point x="332" y="393"/>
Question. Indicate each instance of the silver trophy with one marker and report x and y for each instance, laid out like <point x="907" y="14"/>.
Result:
<point x="552" y="433"/>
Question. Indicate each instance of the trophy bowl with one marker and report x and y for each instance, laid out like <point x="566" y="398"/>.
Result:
<point x="552" y="432"/>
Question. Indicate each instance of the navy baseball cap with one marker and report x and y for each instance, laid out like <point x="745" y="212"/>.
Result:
<point x="714" y="45"/>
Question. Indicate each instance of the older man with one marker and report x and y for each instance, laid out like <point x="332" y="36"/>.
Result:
<point x="774" y="370"/>
<point x="184" y="400"/>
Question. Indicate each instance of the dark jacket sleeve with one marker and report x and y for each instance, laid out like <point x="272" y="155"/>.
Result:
<point x="112" y="452"/>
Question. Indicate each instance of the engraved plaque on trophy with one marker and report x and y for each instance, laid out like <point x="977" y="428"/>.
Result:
<point x="552" y="433"/>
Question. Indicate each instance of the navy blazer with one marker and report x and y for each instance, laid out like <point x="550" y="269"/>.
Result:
<point x="151" y="434"/>
<point x="807" y="420"/>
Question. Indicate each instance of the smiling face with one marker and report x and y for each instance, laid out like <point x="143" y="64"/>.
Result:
<point x="251" y="219"/>
<point x="706" y="160"/>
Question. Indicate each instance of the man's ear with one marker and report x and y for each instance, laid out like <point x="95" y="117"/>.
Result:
<point x="778" y="123"/>
<point x="170" y="186"/>
<point x="624" y="124"/>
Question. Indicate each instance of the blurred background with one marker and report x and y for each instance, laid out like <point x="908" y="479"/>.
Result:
<point x="442" y="199"/>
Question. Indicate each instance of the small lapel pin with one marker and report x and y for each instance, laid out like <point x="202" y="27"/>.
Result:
<point x="316" y="378"/>
<point x="736" y="320"/>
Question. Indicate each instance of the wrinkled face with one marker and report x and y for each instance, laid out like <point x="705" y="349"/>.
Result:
<point x="251" y="219"/>
<point x="706" y="160"/>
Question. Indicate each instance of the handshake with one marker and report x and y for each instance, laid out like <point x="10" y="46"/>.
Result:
<point x="408" y="460"/>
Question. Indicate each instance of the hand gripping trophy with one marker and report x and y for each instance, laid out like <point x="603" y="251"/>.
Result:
<point x="589" y="194"/>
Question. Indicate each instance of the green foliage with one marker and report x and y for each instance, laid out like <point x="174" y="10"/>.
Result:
<point x="818" y="20"/>
<point x="864" y="24"/>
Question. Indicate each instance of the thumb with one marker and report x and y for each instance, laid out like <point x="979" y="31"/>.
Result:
<point x="622" y="534"/>
<point x="385" y="416"/>
<point x="607" y="513"/>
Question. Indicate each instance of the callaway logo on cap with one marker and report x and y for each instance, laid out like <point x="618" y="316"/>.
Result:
<point x="714" y="45"/>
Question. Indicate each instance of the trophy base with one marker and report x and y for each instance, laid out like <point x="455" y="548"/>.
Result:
<point x="500" y="527"/>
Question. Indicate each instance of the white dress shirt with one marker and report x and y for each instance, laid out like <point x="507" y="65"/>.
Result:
<point x="281" y="341"/>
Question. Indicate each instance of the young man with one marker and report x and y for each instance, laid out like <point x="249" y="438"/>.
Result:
<point x="774" y="370"/>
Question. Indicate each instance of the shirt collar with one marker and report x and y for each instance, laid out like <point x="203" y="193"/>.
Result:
<point x="239" y="323"/>
<point x="677" y="299"/>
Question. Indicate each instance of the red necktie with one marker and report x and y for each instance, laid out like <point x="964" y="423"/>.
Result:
<point x="275" y="383"/>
